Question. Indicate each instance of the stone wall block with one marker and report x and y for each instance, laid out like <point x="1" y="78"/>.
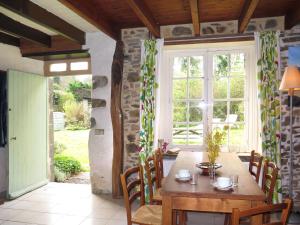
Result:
<point x="98" y="103"/>
<point x="99" y="81"/>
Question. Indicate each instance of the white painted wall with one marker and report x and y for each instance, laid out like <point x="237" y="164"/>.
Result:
<point x="101" y="49"/>
<point x="10" y="58"/>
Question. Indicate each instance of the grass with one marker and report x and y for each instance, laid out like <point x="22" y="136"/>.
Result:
<point x="76" y="143"/>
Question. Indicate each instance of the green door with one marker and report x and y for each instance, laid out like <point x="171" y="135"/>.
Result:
<point x="27" y="123"/>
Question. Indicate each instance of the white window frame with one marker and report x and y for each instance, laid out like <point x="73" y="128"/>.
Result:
<point x="207" y="51"/>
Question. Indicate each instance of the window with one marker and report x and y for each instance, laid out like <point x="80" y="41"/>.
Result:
<point x="208" y="89"/>
<point x="68" y="67"/>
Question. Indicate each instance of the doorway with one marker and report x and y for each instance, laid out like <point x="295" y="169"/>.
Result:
<point x="71" y="127"/>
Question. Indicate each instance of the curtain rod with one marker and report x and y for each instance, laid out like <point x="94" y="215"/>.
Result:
<point x="209" y="39"/>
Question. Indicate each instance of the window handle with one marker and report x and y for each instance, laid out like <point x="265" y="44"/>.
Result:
<point x="13" y="138"/>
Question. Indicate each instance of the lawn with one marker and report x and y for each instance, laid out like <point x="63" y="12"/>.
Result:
<point x="76" y="143"/>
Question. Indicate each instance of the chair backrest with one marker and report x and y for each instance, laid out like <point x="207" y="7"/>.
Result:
<point x="231" y="118"/>
<point x="151" y="176"/>
<point x="159" y="164"/>
<point x="255" y="165"/>
<point x="133" y="188"/>
<point x="270" y="174"/>
<point x="284" y="207"/>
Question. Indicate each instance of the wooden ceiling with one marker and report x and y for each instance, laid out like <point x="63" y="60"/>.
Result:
<point x="112" y="15"/>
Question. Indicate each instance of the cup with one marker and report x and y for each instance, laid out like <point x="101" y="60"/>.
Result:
<point x="223" y="182"/>
<point x="234" y="180"/>
<point x="184" y="173"/>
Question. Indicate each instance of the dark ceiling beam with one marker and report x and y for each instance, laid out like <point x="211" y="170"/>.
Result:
<point x="246" y="14"/>
<point x="44" y="18"/>
<point x="9" y="40"/>
<point x="144" y="14"/>
<point x="293" y="17"/>
<point x="91" y="14"/>
<point x="194" y="4"/>
<point x="15" y="28"/>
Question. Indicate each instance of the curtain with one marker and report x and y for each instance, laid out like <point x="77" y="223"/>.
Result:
<point x="3" y="110"/>
<point x="268" y="86"/>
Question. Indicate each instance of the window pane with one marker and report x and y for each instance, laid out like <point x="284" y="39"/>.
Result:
<point x="79" y="66"/>
<point x="221" y="65"/>
<point x="237" y="87"/>
<point x="237" y="64"/>
<point x="180" y="67"/>
<point x="220" y="110"/>
<point x="237" y="135"/>
<point x="196" y="88"/>
<point x="58" y="67"/>
<point x="195" y="135"/>
<point x="180" y="132"/>
<point x="179" y="89"/>
<point x="237" y="109"/>
<point x="196" y="66"/>
<point x="179" y="112"/>
<point x="220" y="87"/>
<point x="195" y="112"/>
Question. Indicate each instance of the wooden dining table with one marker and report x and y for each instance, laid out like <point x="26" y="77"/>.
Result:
<point x="203" y="197"/>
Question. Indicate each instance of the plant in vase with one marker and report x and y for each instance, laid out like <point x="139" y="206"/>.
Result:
<point x="213" y="142"/>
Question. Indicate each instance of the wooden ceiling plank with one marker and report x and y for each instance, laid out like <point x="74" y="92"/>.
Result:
<point x="195" y="16"/>
<point x="15" y="28"/>
<point x="144" y="14"/>
<point x="9" y="40"/>
<point x="292" y="18"/>
<point x="81" y="8"/>
<point x="44" y="18"/>
<point x="246" y="14"/>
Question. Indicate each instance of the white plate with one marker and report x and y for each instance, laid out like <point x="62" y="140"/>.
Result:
<point x="215" y="184"/>
<point x="182" y="178"/>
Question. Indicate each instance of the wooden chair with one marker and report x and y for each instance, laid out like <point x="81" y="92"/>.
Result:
<point x="153" y="183"/>
<point x="284" y="207"/>
<point x="159" y="166"/>
<point x="270" y="174"/>
<point x="255" y="162"/>
<point x="133" y="188"/>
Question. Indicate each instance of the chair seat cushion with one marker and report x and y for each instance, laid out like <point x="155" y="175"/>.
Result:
<point x="148" y="214"/>
<point x="157" y="196"/>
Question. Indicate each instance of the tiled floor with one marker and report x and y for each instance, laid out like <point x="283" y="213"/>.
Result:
<point x="73" y="204"/>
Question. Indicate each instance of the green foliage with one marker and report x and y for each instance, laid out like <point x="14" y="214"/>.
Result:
<point x="60" y="97"/>
<point x="60" y="176"/>
<point x="59" y="148"/>
<point x="270" y="100"/>
<point x="67" y="164"/>
<point x="75" y="86"/>
<point x="76" y="117"/>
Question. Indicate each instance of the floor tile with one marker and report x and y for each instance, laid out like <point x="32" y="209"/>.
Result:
<point x="14" y="223"/>
<point x="103" y="213"/>
<point x="93" y="221"/>
<point x="7" y="214"/>
<point x="33" y="206"/>
<point x="37" y="218"/>
<point x="70" y="220"/>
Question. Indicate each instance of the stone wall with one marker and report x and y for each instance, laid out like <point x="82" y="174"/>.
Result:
<point x="131" y="92"/>
<point x="287" y="39"/>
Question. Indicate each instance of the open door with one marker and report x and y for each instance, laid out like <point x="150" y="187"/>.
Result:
<point x="27" y="132"/>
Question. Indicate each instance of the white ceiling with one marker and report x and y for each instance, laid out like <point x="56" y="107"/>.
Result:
<point x="56" y="8"/>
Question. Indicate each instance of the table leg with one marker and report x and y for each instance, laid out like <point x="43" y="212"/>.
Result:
<point x="167" y="210"/>
<point x="258" y="219"/>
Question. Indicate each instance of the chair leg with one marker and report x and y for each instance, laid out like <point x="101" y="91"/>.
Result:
<point x="227" y="219"/>
<point x="182" y="217"/>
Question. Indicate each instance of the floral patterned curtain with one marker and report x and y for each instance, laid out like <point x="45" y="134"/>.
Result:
<point x="268" y="86"/>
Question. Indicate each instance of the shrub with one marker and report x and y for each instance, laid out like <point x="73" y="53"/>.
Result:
<point x="67" y="164"/>
<point x="59" y="176"/>
<point x="60" y="97"/>
<point x="76" y="117"/>
<point x="59" y="148"/>
<point x="76" y="86"/>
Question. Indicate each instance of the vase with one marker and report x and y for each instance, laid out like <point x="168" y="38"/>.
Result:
<point x="212" y="171"/>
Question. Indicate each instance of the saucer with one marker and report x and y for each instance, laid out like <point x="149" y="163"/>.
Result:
<point x="228" y="188"/>
<point x="182" y="179"/>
